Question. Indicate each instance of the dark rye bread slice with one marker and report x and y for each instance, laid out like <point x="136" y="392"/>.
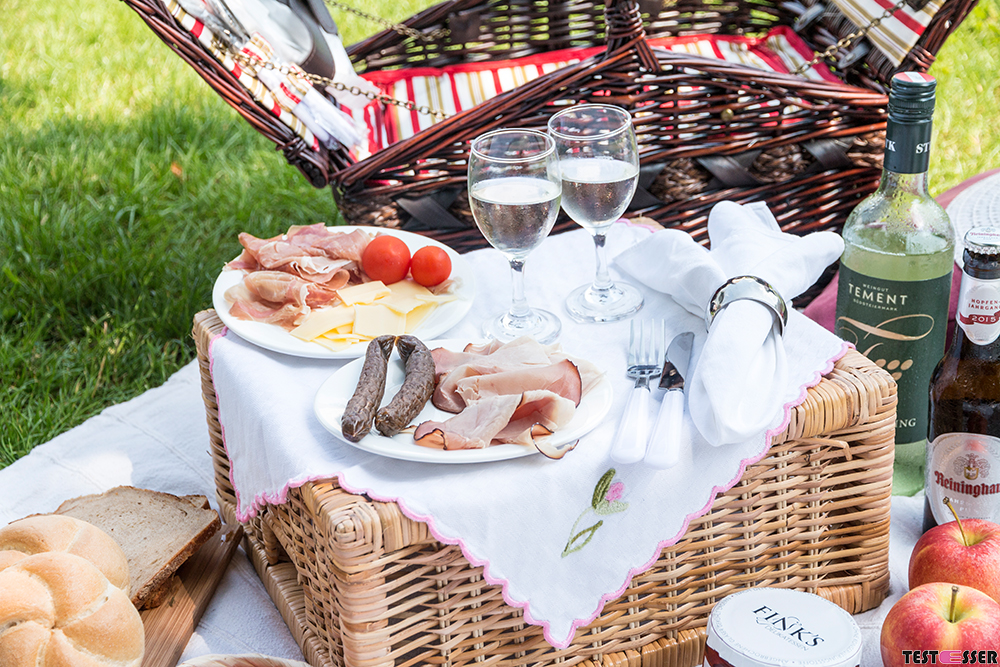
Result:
<point x="157" y="531"/>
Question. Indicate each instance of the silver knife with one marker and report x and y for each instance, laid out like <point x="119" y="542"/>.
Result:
<point x="664" y="448"/>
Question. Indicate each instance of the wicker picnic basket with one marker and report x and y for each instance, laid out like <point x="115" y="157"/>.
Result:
<point x="708" y="129"/>
<point x="361" y="585"/>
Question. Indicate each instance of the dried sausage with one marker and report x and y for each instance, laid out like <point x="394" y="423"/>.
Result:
<point x="360" y="410"/>
<point x="418" y="385"/>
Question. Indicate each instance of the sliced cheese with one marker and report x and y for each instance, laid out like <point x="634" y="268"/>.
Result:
<point x="341" y="339"/>
<point x="377" y="320"/>
<point x="324" y="319"/>
<point x="363" y="293"/>
<point x="405" y="296"/>
<point x="333" y="345"/>
<point x="435" y="298"/>
<point x="415" y="317"/>
<point x="369" y="310"/>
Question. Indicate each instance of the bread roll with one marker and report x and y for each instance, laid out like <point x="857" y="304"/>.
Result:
<point x="58" y="610"/>
<point x="53" y="532"/>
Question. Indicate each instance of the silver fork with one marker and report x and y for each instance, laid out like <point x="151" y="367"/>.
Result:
<point x="645" y="354"/>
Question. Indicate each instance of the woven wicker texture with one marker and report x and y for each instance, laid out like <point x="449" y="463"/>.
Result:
<point x="362" y="585"/>
<point x="708" y="130"/>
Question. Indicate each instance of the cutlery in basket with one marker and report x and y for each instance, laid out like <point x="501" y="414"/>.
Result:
<point x="645" y="352"/>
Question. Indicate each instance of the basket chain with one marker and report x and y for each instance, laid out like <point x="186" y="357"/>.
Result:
<point x="846" y="41"/>
<point x="246" y="61"/>
<point x="404" y="30"/>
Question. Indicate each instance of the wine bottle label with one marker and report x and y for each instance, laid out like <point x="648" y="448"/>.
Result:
<point x="907" y="146"/>
<point x="965" y="469"/>
<point x="979" y="309"/>
<point x="901" y="326"/>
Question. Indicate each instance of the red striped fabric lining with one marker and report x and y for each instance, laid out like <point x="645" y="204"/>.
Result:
<point x="466" y="85"/>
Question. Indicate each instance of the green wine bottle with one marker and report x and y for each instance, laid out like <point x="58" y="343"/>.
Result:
<point x="895" y="273"/>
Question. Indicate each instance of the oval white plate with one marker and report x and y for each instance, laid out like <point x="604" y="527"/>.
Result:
<point x="333" y="395"/>
<point x="274" y="338"/>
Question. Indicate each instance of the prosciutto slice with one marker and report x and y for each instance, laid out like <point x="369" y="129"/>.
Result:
<point x="275" y="297"/>
<point x="335" y="245"/>
<point x="504" y="393"/>
<point x="288" y="275"/>
<point x="311" y="252"/>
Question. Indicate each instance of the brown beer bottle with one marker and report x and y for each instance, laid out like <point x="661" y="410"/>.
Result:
<point x="963" y="444"/>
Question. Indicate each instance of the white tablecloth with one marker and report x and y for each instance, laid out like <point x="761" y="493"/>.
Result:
<point x="275" y="441"/>
<point x="159" y="440"/>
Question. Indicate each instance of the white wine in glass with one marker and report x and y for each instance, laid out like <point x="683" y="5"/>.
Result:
<point x="599" y="165"/>
<point x="514" y="190"/>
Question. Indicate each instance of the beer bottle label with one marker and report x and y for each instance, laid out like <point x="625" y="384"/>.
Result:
<point x="965" y="469"/>
<point x="979" y="309"/>
<point x="901" y="326"/>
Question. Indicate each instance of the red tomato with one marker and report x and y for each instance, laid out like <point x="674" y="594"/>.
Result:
<point x="386" y="258"/>
<point x="430" y="266"/>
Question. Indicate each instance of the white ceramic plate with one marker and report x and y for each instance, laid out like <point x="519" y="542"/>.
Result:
<point x="333" y="395"/>
<point x="276" y="339"/>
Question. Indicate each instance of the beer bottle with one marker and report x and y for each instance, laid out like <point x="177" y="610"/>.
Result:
<point x="963" y="450"/>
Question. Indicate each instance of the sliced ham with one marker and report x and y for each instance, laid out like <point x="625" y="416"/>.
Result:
<point x="539" y="413"/>
<point x="509" y="419"/>
<point x="561" y="378"/>
<point x="472" y="428"/>
<point x="521" y="365"/>
<point x="492" y="356"/>
<point x="513" y="393"/>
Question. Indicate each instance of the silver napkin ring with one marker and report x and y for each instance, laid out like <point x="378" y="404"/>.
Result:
<point x="753" y="288"/>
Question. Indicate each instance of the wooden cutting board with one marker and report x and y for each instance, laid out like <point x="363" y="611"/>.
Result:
<point x="170" y="626"/>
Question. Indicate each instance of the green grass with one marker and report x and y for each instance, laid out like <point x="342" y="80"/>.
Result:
<point x="124" y="180"/>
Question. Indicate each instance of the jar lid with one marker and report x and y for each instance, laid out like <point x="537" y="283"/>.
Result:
<point x="769" y="627"/>
<point x="983" y="240"/>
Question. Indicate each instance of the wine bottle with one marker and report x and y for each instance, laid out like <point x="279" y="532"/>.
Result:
<point x="895" y="273"/>
<point x="963" y="448"/>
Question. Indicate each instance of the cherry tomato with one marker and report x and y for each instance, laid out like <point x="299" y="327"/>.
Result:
<point x="430" y="266"/>
<point x="386" y="258"/>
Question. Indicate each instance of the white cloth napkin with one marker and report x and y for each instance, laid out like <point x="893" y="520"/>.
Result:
<point x="735" y="387"/>
<point x="517" y="518"/>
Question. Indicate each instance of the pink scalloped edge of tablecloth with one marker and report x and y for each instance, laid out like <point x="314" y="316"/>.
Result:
<point x="281" y="497"/>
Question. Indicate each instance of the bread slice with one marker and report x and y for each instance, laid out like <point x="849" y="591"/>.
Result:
<point x="157" y="531"/>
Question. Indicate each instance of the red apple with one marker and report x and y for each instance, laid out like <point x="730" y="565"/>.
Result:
<point x="944" y="553"/>
<point x="940" y="617"/>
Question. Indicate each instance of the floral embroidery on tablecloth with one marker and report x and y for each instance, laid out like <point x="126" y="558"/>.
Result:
<point x="606" y="500"/>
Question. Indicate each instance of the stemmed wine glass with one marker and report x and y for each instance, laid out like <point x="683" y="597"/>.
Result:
<point x="599" y="164"/>
<point x="514" y="189"/>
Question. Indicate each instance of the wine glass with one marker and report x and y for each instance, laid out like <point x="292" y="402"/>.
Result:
<point x="514" y="191"/>
<point x="599" y="164"/>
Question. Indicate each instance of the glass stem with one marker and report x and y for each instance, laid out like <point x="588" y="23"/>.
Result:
<point x="518" y="303"/>
<point x="602" y="279"/>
